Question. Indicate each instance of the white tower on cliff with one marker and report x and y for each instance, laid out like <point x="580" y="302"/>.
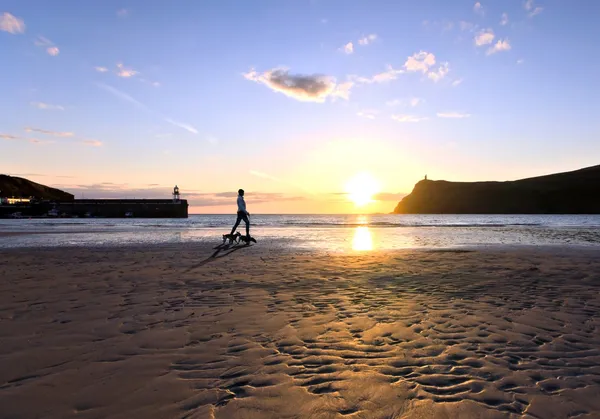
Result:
<point x="176" y="194"/>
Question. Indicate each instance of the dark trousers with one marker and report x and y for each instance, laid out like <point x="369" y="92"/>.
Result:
<point x="242" y="216"/>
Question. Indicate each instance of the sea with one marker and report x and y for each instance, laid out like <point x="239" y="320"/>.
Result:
<point x="343" y="233"/>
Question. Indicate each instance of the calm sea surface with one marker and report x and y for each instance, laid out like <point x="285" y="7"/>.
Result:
<point x="332" y="232"/>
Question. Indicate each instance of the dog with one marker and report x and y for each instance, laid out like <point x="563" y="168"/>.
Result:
<point x="231" y="238"/>
<point x="247" y="239"/>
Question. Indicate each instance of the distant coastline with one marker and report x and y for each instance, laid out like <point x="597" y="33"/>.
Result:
<point x="576" y="192"/>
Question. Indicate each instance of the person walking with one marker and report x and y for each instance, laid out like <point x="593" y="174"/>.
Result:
<point x="242" y="214"/>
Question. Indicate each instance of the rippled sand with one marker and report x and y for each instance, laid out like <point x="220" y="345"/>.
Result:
<point x="166" y="332"/>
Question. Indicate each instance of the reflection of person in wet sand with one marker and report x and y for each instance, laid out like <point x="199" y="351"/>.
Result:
<point x="242" y="214"/>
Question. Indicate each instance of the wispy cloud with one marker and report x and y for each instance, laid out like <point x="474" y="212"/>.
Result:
<point x="122" y="13"/>
<point x="389" y="74"/>
<point x="532" y="9"/>
<point x="9" y="137"/>
<point x="413" y="102"/>
<point x="366" y="40"/>
<point x="182" y="125"/>
<point x="101" y="69"/>
<point x="504" y="19"/>
<point x="478" y="8"/>
<point x="125" y="72"/>
<point x="440" y="73"/>
<point x="368" y="113"/>
<point x="457" y="82"/>
<point x="501" y="45"/>
<point x="484" y="37"/>
<point x="51" y="48"/>
<point x="348" y="48"/>
<point x="521" y="61"/>
<point x="40" y="142"/>
<point x="303" y="87"/>
<point x="124" y="96"/>
<point x="453" y="115"/>
<point x="11" y="24"/>
<point x="47" y="106"/>
<point x="408" y="118"/>
<point x="51" y="133"/>
<point x="93" y="143"/>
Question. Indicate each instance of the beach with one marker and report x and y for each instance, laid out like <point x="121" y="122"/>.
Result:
<point x="167" y="331"/>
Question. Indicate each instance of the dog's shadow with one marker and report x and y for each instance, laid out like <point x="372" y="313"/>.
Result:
<point x="216" y="255"/>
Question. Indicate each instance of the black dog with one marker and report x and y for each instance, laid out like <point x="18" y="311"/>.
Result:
<point x="232" y="238"/>
<point x="247" y="239"/>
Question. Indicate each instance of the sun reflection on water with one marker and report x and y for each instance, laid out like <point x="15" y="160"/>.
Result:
<point x="362" y="239"/>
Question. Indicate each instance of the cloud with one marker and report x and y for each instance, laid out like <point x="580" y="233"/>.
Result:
<point x="521" y="61"/>
<point x="385" y="76"/>
<point x="504" y="19"/>
<point x="366" y="40"/>
<point x="412" y="102"/>
<point x="485" y="37"/>
<point x="47" y="106"/>
<point x="408" y="118"/>
<point x="348" y="48"/>
<point x="125" y="72"/>
<point x="51" y="48"/>
<point x="457" y="82"/>
<point x="93" y="143"/>
<point x="454" y="115"/>
<point x="101" y="69"/>
<point x="122" y="13"/>
<point x="368" y="113"/>
<point x="40" y="142"/>
<point x="302" y="87"/>
<point x="124" y="96"/>
<point x="441" y="72"/>
<point x="420" y="61"/>
<point x="533" y="10"/>
<point x="9" y="137"/>
<point x="11" y="24"/>
<point x="478" y="8"/>
<point x="342" y="90"/>
<point x="501" y="45"/>
<point x="182" y="125"/>
<point x="51" y="133"/>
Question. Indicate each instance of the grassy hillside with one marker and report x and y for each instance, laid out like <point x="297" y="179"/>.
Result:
<point x="22" y="188"/>
<point x="576" y="192"/>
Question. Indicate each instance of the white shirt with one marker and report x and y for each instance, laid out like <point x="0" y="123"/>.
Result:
<point x="241" y="204"/>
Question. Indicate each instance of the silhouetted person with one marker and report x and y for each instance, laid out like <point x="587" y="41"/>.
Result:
<point x="242" y="214"/>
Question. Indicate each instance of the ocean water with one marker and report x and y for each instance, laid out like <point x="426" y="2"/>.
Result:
<point x="332" y="232"/>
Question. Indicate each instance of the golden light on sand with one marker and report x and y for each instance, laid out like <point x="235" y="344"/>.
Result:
<point x="361" y="188"/>
<point x="362" y="239"/>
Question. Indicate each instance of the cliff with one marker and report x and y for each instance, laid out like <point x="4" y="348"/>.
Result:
<point x="11" y="186"/>
<point x="576" y="192"/>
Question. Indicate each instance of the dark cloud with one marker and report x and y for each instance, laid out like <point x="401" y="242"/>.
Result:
<point x="304" y="87"/>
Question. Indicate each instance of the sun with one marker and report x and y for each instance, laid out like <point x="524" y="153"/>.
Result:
<point x="361" y="188"/>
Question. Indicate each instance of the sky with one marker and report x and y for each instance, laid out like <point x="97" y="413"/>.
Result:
<point x="295" y="101"/>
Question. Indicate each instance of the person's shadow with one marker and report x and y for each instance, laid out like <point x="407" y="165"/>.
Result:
<point x="216" y="255"/>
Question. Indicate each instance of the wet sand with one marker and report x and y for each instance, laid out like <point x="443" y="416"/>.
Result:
<point x="165" y="332"/>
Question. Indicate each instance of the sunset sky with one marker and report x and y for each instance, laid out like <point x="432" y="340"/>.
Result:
<point x="292" y="99"/>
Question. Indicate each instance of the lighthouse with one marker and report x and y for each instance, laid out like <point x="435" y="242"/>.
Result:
<point x="176" y="194"/>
